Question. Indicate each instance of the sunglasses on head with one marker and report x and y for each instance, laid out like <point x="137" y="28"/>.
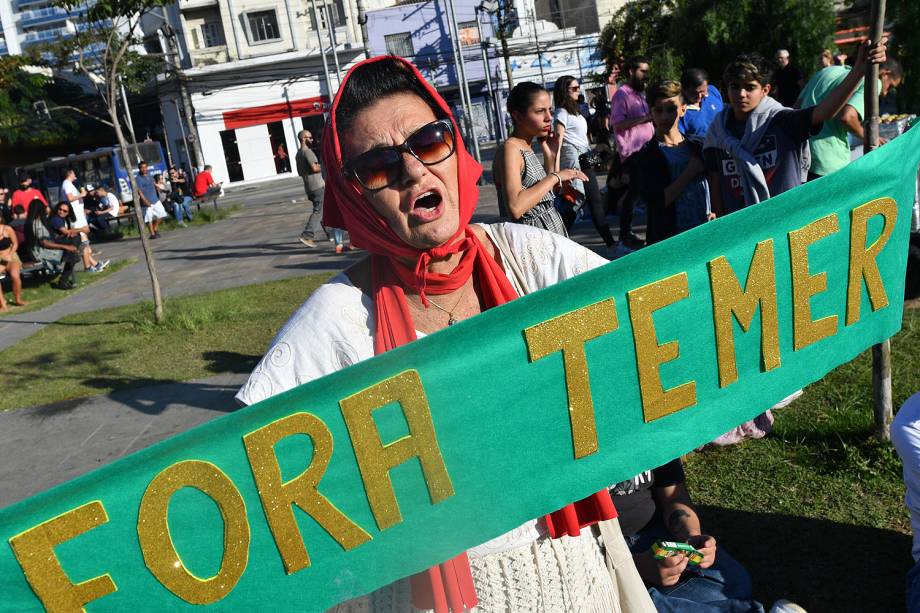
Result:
<point x="382" y="167"/>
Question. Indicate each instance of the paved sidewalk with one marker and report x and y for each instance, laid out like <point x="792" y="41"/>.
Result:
<point x="41" y="447"/>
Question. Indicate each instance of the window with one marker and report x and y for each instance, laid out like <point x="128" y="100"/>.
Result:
<point x="469" y="33"/>
<point x="399" y="44"/>
<point x="263" y="26"/>
<point x="336" y="11"/>
<point x="212" y="34"/>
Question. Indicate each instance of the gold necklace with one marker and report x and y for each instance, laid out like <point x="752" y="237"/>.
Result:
<point x="450" y="314"/>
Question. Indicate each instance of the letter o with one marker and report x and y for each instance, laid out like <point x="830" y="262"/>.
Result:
<point x="160" y="553"/>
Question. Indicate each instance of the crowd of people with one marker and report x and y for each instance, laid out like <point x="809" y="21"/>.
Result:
<point x="675" y="148"/>
<point x="402" y="183"/>
<point x="50" y="240"/>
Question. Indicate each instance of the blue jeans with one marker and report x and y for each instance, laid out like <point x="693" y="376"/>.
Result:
<point x="913" y="589"/>
<point x="724" y="587"/>
<point x="181" y="209"/>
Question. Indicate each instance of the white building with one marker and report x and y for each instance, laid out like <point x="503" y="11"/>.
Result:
<point x="254" y="76"/>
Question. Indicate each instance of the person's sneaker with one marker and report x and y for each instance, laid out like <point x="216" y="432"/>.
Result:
<point x="618" y="250"/>
<point x="309" y="242"/>
<point x="785" y="606"/>
<point x="64" y="286"/>
<point x="632" y="241"/>
<point x="339" y="248"/>
<point x="105" y="264"/>
<point x="785" y="402"/>
<point x="94" y="269"/>
<point x="182" y="224"/>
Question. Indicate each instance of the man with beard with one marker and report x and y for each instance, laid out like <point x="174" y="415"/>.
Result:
<point x="631" y="124"/>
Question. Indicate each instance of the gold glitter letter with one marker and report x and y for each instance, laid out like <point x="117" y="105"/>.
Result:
<point x="160" y="553"/>
<point x="805" y="285"/>
<point x="568" y="333"/>
<point x="728" y="299"/>
<point x="643" y="302"/>
<point x="376" y="459"/>
<point x="34" y="549"/>
<point x="862" y="258"/>
<point x="277" y="496"/>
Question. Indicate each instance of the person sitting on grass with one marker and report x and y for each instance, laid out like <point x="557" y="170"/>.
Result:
<point x="49" y="247"/>
<point x="755" y="147"/>
<point x="656" y="506"/>
<point x="10" y="265"/>
<point x="671" y="173"/>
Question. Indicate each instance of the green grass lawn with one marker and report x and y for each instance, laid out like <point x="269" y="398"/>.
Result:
<point x="815" y="510"/>
<point x="102" y="351"/>
<point x="38" y="293"/>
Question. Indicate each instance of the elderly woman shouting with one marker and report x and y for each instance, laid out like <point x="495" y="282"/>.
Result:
<point x="402" y="183"/>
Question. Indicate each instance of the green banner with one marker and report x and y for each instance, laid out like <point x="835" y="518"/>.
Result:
<point x="383" y="469"/>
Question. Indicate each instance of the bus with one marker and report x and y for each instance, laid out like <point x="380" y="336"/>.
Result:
<point x="104" y="166"/>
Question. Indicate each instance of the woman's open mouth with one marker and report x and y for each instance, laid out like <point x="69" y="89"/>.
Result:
<point x="427" y="207"/>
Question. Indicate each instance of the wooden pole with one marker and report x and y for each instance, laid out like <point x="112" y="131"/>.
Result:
<point x="881" y="353"/>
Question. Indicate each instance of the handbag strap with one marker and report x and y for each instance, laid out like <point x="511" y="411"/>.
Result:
<point x="497" y="234"/>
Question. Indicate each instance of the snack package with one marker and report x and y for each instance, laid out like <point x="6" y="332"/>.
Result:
<point x="666" y="549"/>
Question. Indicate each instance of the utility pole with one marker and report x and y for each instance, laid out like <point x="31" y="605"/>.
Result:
<point x="881" y="353"/>
<point x="362" y="21"/>
<point x="322" y="48"/>
<point x="493" y="99"/>
<point x="536" y="44"/>
<point x="332" y="40"/>
<point x="187" y="115"/>
<point x="464" y="84"/>
<point x="503" y="24"/>
<point x="124" y="101"/>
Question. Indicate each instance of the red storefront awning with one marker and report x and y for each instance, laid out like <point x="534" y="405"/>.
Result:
<point x="256" y="115"/>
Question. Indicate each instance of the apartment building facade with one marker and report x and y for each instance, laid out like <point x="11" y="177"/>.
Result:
<point x="551" y="38"/>
<point x="24" y="23"/>
<point x="254" y="75"/>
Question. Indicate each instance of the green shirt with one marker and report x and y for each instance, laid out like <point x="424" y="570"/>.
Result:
<point x="830" y="150"/>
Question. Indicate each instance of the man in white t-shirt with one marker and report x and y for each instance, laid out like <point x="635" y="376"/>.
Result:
<point x="79" y="224"/>
<point x="110" y="207"/>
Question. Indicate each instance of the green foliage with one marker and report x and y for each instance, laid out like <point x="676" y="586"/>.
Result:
<point x="677" y="34"/>
<point x="906" y="47"/>
<point x="20" y="89"/>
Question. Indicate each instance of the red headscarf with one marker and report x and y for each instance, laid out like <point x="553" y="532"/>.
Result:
<point x="449" y="586"/>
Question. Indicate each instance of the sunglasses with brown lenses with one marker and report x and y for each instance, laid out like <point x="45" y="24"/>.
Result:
<point x="381" y="167"/>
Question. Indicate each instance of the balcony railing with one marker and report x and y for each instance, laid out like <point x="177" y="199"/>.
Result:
<point x="46" y="15"/>
<point x="44" y="35"/>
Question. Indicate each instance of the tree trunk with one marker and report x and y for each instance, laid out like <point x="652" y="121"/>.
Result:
<point x="138" y="218"/>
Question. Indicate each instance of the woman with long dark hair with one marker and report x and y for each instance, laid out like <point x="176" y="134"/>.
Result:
<point x="570" y="129"/>
<point x="526" y="188"/>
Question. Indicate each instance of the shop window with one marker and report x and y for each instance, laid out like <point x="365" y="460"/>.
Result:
<point x="262" y="26"/>
<point x="399" y="44"/>
<point x="279" y="147"/>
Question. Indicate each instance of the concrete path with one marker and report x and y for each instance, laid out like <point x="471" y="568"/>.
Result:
<point x="43" y="446"/>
